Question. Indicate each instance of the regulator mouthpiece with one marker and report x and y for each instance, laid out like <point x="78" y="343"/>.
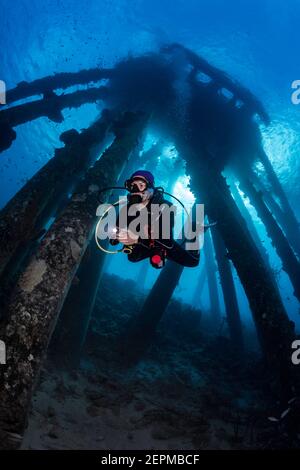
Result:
<point x="134" y="198"/>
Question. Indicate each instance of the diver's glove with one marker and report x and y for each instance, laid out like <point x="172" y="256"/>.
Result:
<point x="127" y="237"/>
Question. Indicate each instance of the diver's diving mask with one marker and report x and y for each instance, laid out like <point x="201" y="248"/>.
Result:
<point x="140" y="190"/>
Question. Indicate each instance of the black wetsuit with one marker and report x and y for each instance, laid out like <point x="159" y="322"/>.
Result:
<point x="171" y="249"/>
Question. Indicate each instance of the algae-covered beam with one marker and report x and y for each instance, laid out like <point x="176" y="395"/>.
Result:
<point x="19" y="218"/>
<point x="50" y="106"/>
<point x="222" y="80"/>
<point x="56" y="81"/>
<point x="290" y="263"/>
<point x="211" y="271"/>
<point x="290" y="218"/>
<point x="286" y="217"/>
<point x="40" y="292"/>
<point x="250" y="224"/>
<point x="229" y="292"/>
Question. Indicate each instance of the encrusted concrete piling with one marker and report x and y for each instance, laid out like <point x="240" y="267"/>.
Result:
<point x="211" y="272"/>
<point x="37" y="298"/>
<point x="288" y="219"/>
<point x="275" y="330"/>
<point x="290" y="263"/>
<point x="229" y="292"/>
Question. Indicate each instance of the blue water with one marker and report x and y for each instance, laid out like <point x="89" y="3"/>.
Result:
<point x="254" y="41"/>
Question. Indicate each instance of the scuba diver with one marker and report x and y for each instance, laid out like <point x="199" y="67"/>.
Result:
<point x="144" y="195"/>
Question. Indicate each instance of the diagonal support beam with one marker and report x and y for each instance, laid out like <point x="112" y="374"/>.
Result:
<point x="54" y="82"/>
